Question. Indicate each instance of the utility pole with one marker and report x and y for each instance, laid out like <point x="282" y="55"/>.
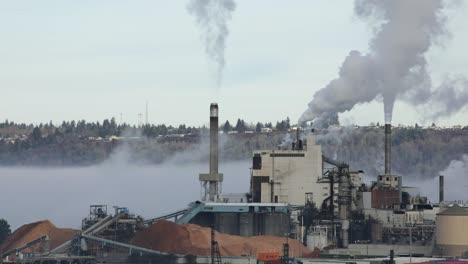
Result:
<point x="410" y="245"/>
<point x="285" y="258"/>
<point x="146" y="113"/>
<point x="140" y="122"/>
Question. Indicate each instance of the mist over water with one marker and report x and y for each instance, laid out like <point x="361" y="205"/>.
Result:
<point x="63" y="195"/>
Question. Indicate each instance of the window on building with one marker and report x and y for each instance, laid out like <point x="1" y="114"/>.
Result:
<point x="257" y="162"/>
<point x="388" y="178"/>
<point x="380" y="177"/>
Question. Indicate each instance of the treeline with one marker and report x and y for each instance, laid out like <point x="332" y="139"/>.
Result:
<point x="86" y="143"/>
<point x="416" y="151"/>
<point x="109" y="127"/>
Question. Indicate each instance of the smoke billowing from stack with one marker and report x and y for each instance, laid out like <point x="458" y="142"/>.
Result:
<point x="388" y="149"/>
<point x="395" y="66"/>
<point x="212" y="17"/>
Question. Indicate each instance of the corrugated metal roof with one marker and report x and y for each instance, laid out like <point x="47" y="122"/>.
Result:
<point x="454" y="210"/>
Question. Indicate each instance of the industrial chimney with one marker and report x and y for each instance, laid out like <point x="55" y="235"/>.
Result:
<point x="212" y="181"/>
<point x="214" y="139"/>
<point x="441" y="188"/>
<point x="388" y="149"/>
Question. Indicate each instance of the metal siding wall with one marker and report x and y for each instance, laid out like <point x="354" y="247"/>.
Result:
<point x="276" y="224"/>
<point x="246" y="224"/>
<point x="228" y="223"/>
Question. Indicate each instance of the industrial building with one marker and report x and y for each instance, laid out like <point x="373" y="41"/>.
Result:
<point x="292" y="175"/>
<point x="295" y="192"/>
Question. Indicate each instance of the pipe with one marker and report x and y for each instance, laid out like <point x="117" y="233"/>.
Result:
<point x="441" y="188"/>
<point x="388" y="149"/>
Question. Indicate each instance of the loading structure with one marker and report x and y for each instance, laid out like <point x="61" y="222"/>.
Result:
<point x="243" y="219"/>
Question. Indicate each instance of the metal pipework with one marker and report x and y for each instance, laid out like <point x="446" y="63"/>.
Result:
<point x="441" y="188"/>
<point x="344" y="202"/>
<point x="388" y="149"/>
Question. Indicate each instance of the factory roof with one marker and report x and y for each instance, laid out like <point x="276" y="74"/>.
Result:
<point x="454" y="210"/>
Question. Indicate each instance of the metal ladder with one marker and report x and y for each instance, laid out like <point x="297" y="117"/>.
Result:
<point x="215" y="254"/>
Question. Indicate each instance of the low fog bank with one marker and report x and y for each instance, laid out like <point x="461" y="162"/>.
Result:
<point x="63" y="195"/>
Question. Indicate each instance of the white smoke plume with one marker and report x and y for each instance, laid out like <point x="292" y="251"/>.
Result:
<point x="212" y="16"/>
<point x="395" y="67"/>
<point x="455" y="187"/>
<point x="449" y="98"/>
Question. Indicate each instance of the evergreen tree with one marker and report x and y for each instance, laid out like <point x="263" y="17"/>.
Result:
<point x="5" y="230"/>
<point x="36" y="134"/>
<point x="258" y="127"/>
<point x="227" y="127"/>
<point x="240" y="126"/>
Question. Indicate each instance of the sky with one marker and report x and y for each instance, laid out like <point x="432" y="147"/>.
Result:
<point x="70" y="60"/>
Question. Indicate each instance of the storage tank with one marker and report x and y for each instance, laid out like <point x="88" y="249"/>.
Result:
<point x="452" y="231"/>
<point x="317" y="238"/>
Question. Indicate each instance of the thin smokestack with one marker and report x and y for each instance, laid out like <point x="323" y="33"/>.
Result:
<point x="441" y="188"/>
<point x="214" y="139"/>
<point x="388" y="149"/>
<point x="212" y="180"/>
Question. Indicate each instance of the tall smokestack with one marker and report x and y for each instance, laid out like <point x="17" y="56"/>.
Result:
<point x="212" y="180"/>
<point x="214" y="139"/>
<point x="441" y="188"/>
<point x="388" y="149"/>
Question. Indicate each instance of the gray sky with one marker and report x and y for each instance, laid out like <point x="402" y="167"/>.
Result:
<point x="63" y="60"/>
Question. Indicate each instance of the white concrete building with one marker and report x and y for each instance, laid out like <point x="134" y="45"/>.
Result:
<point x="291" y="175"/>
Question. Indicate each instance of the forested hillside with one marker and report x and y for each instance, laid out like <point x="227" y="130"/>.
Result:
<point x="421" y="152"/>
